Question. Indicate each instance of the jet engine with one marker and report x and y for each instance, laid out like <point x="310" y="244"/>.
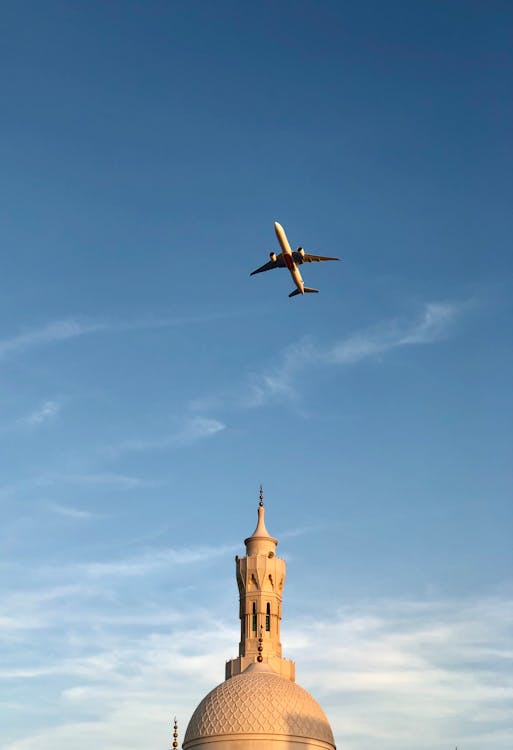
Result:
<point x="301" y="252"/>
<point x="273" y="257"/>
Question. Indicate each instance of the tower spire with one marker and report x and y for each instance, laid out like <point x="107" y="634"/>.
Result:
<point x="260" y="541"/>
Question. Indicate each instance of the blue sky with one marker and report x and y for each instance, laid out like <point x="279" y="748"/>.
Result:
<point x="148" y="384"/>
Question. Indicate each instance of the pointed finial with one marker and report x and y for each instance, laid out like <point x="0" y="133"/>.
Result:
<point x="260" y="541"/>
<point x="175" y="734"/>
<point x="260" y="648"/>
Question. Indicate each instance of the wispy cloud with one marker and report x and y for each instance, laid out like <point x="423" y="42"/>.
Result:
<point x="59" y="330"/>
<point x="36" y="608"/>
<point x="197" y="428"/>
<point x="43" y="413"/>
<point x="146" y="562"/>
<point x="70" y="512"/>
<point x="434" y="323"/>
<point x="42" y="481"/>
<point x="429" y="674"/>
<point x="73" y="327"/>
<point x="83" y="574"/>
<point x="433" y="672"/>
<point x="124" y="481"/>
<point x="193" y="429"/>
<point x="300" y="531"/>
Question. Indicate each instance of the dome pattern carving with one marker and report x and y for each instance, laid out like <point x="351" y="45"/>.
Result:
<point x="259" y="701"/>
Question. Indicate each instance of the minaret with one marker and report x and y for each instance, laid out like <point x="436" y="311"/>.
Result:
<point x="260" y="578"/>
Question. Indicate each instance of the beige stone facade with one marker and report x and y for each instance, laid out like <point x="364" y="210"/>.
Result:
<point x="260" y="578"/>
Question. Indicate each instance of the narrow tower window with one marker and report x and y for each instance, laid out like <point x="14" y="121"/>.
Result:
<point x="254" y="618"/>
<point x="268" y="617"/>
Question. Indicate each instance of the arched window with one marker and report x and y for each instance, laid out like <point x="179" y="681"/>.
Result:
<point x="253" y="624"/>
<point x="268" y="617"/>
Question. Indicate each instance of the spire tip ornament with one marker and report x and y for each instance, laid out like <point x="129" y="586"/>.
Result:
<point x="260" y="648"/>
<point x="175" y="734"/>
<point x="261" y="503"/>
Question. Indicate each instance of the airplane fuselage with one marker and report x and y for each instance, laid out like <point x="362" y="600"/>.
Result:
<point x="291" y="260"/>
<point x="288" y="258"/>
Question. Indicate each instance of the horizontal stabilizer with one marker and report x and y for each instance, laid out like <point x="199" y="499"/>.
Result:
<point x="307" y="290"/>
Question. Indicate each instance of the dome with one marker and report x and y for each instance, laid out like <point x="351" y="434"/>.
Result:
<point x="258" y="708"/>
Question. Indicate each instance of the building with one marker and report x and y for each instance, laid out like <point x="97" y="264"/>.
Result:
<point x="259" y="705"/>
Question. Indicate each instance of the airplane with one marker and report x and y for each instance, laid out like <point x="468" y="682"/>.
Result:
<point x="291" y="259"/>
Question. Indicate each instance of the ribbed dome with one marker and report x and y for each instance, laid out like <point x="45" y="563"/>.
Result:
<point x="259" y="702"/>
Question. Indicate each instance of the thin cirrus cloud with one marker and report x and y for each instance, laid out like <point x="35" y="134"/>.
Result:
<point x="124" y="481"/>
<point x="198" y="428"/>
<point x="70" y="328"/>
<point x="137" y="565"/>
<point x="192" y="430"/>
<point x="76" y="514"/>
<point x="59" y="330"/>
<point x="436" y="668"/>
<point x="390" y="675"/>
<point x="42" y="481"/>
<point x="45" y="412"/>
<point x="146" y="562"/>
<point x="434" y="324"/>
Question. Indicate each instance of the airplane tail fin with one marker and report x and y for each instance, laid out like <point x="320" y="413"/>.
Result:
<point x="307" y="290"/>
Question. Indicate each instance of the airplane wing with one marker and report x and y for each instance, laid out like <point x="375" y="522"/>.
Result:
<point x="307" y="258"/>
<point x="278" y="263"/>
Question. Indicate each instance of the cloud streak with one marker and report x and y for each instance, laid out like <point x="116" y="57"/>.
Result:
<point x="74" y="513"/>
<point x="43" y="481"/>
<point x="434" y="324"/>
<point x="146" y="562"/>
<point x="43" y="413"/>
<point x="56" y="331"/>
<point x="191" y="431"/>
<point x="390" y="675"/>
<point x="70" y="328"/>
<point x="433" y="672"/>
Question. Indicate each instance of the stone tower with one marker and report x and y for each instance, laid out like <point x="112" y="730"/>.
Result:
<point x="260" y="578"/>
